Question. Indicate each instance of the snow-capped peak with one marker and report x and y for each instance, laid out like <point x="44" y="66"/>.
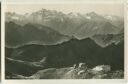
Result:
<point x="109" y="17"/>
<point x="73" y="14"/>
<point x="15" y="18"/>
<point x="88" y="17"/>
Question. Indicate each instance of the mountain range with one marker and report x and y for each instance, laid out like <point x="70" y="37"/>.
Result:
<point x="71" y="24"/>
<point x="50" y="41"/>
<point x="52" y="27"/>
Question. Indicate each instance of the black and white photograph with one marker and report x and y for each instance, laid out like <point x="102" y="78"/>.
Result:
<point x="64" y="41"/>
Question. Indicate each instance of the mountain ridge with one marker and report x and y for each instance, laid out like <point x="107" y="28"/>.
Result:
<point x="72" y="52"/>
<point x="68" y="24"/>
<point x="17" y="35"/>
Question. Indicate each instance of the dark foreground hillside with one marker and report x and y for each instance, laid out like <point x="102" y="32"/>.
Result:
<point x="27" y="60"/>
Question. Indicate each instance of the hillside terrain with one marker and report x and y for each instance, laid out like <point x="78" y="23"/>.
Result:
<point x="49" y="44"/>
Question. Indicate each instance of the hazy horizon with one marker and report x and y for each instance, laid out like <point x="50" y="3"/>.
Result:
<point x="103" y="9"/>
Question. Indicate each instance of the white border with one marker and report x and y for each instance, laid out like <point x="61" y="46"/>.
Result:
<point x="126" y="39"/>
<point x="65" y="1"/>
<point x="60" y="81"/>
<point x="2" y="42"/>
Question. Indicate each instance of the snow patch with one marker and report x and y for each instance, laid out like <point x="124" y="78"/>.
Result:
<point x="105" y="68"/>
<point x="88" y="17"/>
<point x="109" y="17"/>
<point x="15" y="18"/>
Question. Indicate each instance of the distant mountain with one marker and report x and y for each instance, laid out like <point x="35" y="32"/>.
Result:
<point x="92" y="28"/>
<point x="14" y="17"/>
<point x="107" y="39"/>
<point x="17" y="35"/>
<point x="71" y="24"/>
<point x="94" y="16"/>
<point x="115" y="20"/>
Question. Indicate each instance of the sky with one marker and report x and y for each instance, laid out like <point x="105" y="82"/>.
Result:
<point x="104" y="8"/>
